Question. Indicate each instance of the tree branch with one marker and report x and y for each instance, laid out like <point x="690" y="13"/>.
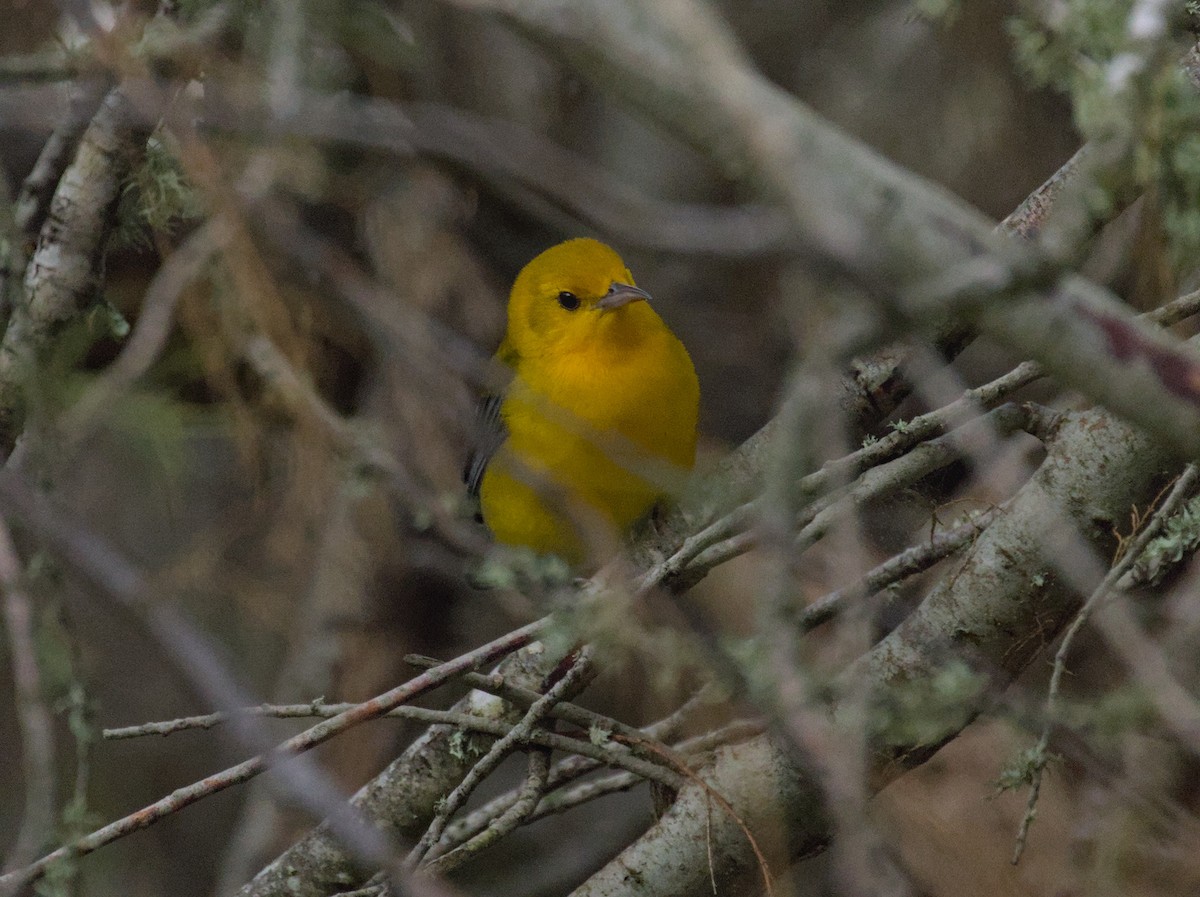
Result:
<point x="1097" y="467"/>
<point x="62" y="274"/>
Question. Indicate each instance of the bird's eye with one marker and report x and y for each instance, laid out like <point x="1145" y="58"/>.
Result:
<point x="568" y="300"/>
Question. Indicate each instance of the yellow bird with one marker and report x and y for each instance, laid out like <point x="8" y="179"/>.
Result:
<point x="601" y="409"/>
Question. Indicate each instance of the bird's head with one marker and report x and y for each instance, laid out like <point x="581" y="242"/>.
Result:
<point x="576" y="295"/>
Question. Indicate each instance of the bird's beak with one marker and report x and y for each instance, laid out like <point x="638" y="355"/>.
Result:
<point x="618" y="295"/>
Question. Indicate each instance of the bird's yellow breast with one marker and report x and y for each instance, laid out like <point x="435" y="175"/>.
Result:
<point x="596" y="431"/>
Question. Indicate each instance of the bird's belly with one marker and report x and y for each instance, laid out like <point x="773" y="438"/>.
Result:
<point x="606" y="467"/>
<point x="564" y="470"/>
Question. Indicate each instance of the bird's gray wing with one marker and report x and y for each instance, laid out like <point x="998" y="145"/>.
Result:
<point x="490" y="434"/>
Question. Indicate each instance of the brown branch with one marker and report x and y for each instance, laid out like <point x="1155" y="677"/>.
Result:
<point x="518" y="812"/>
<point x="580" y="673"/>
<point x="677" y="567"/>
<point x="405" y="797"/>
<point x="466" y="722"/>
<point x="1027" y="219"/>
<point x="732" y="535"/>
<point x="573" y="768"/>
<point x="588" y="720"/>
<point x="315" y="709"/>
<point x="564" y="799"/>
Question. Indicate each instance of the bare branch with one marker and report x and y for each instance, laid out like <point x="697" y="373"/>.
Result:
<point x="908" y="563"/>
<point x="520" y="811"/>
<point x="576" y="678"/>
<point x="573" y="768"/>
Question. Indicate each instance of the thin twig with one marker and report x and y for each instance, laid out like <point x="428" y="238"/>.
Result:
<point x="465" y="721"/>
<point x="588" y="756"/>
<point x="376" y="887"/>
<point x="569" y="798"/>
<point x="317" y="708"/>
<point x="577" y="676"/>
<point x="731" y="525"/>
<point x="79" y="714"/>
<point x="1176" y="310"/>
<point x="491" y="683"/>
<point x="588" y="720"/>
<point x="814" y="520"/>
<point x="560" y="799"/>
<point x="1182" y="490"/>
<point x="1026" y="220"/>
<point x="572" y="768"/>
<point x="293" y="746"/>
<point x="903" y="565"/>
<point x="518" y="813"/>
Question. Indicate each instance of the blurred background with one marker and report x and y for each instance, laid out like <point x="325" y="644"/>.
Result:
<point x="389" y="168"/>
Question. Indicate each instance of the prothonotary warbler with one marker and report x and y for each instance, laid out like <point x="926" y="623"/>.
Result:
<point x="603" y="399"/>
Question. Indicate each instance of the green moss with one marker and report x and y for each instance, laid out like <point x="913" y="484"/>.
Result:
<point x="1180" y="536"/>
<point x="521" y="568"/>
<point x="1022" y="769"/>
<point x="923" y="711"/>
<point x="157" y="198"/>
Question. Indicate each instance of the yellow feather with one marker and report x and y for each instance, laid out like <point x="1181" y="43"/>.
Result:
<point x="601" y="413"/>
